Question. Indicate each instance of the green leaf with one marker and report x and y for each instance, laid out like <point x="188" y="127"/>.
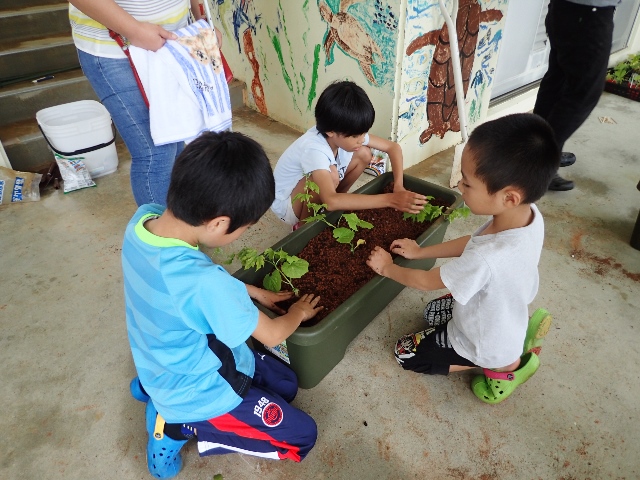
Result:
<point x="272" y="281"/>
<point x="429" y="212"/>
<point x="295" y="267"/>
<point x="312" y="186"/>
<point x="249" y="257"/>
<point x="302" y="197"/>
<point x="460" y="212"/>
<point x="352" y="220"/>
<point x="432" y="212"/>
<point x="343" y="235"/>
<point x="316" y="207"/>
<point x="247" y="252"/>
<point x="315" y="218"/>
<point x="363" y="224"/>
<point x="281" y="255"/>
<point x="360" y="241"/>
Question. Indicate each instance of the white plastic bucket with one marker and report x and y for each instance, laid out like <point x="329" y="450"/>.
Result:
<point x="81" y="130"/>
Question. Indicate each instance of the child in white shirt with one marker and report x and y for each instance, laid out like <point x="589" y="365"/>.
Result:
<point x="507" y="164"/>
<point x="333" y="154"/>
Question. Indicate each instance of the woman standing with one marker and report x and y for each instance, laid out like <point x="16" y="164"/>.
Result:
<point x="145" y="24"/>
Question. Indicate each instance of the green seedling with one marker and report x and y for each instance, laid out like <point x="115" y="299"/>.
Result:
<point x="285" y="267"/>
<point x="627" y="71"/>
<point x="619" y="73"/>
<point x="460" y="212"/>
<point x="341" y="234"/>
<point x="346" y="235"/>
<point x="430" y="212"/>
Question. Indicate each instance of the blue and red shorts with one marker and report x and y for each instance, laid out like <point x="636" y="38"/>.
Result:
<point x="264" y="424"/>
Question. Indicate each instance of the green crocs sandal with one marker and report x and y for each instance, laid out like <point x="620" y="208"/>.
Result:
<point x="537" y="329"/>
<point x="493" y="387"/>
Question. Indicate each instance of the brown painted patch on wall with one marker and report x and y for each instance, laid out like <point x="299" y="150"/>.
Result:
<point x="256" y="85"/>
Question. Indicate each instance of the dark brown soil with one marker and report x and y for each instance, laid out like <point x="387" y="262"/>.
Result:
<point x="335" y="273"/>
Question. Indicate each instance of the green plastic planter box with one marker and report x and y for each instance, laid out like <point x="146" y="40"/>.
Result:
<point x="314" y="351"/>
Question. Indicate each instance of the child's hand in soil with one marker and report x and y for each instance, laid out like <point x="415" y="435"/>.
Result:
<point x="407" y="201"/>
<point x="307" y="305"/>
<point x="269" y="299"/>
<point x="405" y="247"/>
<point x="379" y="259"/>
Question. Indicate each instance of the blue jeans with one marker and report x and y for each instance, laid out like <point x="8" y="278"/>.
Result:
<point x="116" y="87"/>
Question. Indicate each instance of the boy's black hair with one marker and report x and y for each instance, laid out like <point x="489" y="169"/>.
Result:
<point x="518" y="150"/>
<point x="345" y="108"/>
<point x="221" y="174"/>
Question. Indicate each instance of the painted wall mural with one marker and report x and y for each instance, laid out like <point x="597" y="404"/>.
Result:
<point x="288" y="51"/>
<point x="243" y="15"/>
<point x="486" y="51"/>
<point x="428" y="84"/>
<point x="261" y="31"/>
<point x="301" y="83"/>
<point x="442" y="110"/>
<point x="365" y="31"/>
<point x="256" y="85"/>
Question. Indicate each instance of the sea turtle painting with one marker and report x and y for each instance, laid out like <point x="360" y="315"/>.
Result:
<point x="442" y="110"/>
<point x="345" y="31"/>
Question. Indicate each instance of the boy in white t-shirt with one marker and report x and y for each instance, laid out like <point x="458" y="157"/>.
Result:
<point x="334" y="153"/>
<point x="507" y="165"/>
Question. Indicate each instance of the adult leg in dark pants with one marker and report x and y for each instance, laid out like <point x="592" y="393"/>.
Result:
<point x="580" y="38"/>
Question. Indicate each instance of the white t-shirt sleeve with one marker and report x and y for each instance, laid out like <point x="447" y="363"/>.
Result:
<point x="465" y="276"/>
<point x="314" y="159"/>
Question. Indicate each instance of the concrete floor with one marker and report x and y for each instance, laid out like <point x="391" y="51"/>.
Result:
<point x="66" y="365"/>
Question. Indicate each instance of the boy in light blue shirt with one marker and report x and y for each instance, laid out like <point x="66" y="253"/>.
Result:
<point x="188" y="320"/>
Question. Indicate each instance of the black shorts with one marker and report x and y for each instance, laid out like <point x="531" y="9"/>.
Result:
<point x="429" y="351"/>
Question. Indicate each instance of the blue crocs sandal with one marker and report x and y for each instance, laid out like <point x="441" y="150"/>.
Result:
<point x="163" y="453"/>
<point x="137" y="392"/>
<point x="493" y="387"/>
<point x="537" y="329"/>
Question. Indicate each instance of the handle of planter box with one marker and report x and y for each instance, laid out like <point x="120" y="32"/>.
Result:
<point x="82" y="150"/>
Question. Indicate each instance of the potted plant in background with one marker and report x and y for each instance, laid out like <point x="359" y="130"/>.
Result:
<point x="624" y="78"/>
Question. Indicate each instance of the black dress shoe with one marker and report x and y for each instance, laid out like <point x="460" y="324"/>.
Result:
<point x="559" y="184"/>
<point x="567" y="159"/>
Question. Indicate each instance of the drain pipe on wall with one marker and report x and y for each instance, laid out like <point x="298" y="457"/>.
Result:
<point x="456" y="174"/>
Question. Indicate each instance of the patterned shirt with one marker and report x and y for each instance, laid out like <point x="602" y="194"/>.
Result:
<point x="92" y="37"/>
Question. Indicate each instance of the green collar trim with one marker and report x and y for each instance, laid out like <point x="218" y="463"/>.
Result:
<point x="154" y="240"/>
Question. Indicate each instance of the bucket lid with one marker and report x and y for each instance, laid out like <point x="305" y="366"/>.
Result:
<point x="68" y="114"/>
